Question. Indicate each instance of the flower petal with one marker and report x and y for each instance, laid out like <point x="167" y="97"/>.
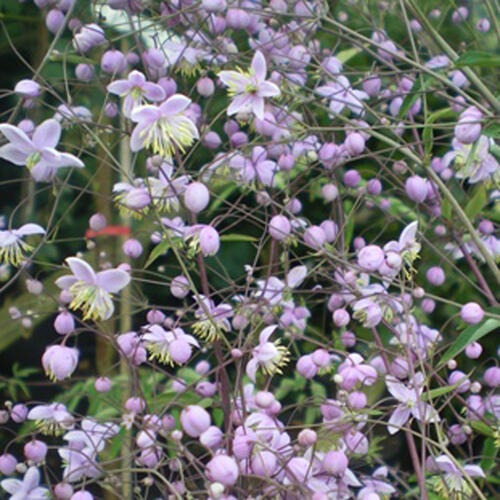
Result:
<point x="82" y="270"/>
<point x="47" y="134"/>
<point x="175" y="104"/>
<point x="17" y="137"/>
<point x="296" y="276"/>
<point x="30" y="229"/>
<point x="266" y="333"/>
<point x="113" y="280"/>
<point x="259" y="66"/>
<point x="268" y="89"/>
<point x="11" y="485"/>
<point x="64" y="282"/>
<point x="119" y="87"/>
<point x="251" y="369"/>
<point x="153" y="91"/>
<point x="31" y="478"/>
<point x="12" y="153"/>
<point x="68" y="160"/>
<point x="146" y="114"/>
<point x="398" y="418"/>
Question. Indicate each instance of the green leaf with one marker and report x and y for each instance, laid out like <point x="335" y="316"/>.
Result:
<point x="482" y="428"/>
<point x="237" y="237"/>
<point x="492" y="130"/>
<point x="471" y="334"/>
<point x="344" y="55"/>
<point x="478" y="58"/>
<point x="427" y="133"/>
<point x="440" y="391"/>
<point x="158" y="251"/>
<point x="489" y="454"/>
<point x="446" y="211"/>
<point x="477" y="202"/>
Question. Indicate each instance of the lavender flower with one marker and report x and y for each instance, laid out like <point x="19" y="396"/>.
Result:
<point x="90" y="291"/>
<point x="28" y="488"/>
<point x="163" y="128"/>
<point x="169" y="347"/>
<point x="12" y="247"/>
<point x="38" y="153"/>
<point x="249" y="88"/>
<point x="51" y="419"/>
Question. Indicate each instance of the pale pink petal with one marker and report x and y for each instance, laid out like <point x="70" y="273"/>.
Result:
<point x="266" y="333"/>
<point x="13" y="154"/>
<point x="259" y="65"/>
<point x="17" y="137"/>
<point x="64" y="282"/>
<point x="399" y="390"/>
<point x="137" y="137"/>
<point x="398" y="418"/>
<point x="474" y="470"/>
<point x="154" y="92"/>
<point x="119" y="87"/>
<point x="146" y="113"/>
<point x="30" y="229"/>
<point x="31" y="478"/>
<point x="43" y="171"/>
<point x="251" y="369"/>
<point x="175" y="104"/>
<point x="239" y="103"/>
<point x="234" y="79"/>
<point x="296" y="276"/>
<point x="47" y="134"/>
<point x="258" y="106"/>
<point x="82" y="270"/>
<point x="68" y="160"/>
<point x="40" y="412"/>
<point x="136" y="78"/>
<point x="268" y="89"/>
<point x="446" y="464"/>
<point x="113" y="280"/>
<point x="11" y="485"/>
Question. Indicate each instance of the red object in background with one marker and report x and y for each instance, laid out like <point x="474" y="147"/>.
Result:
<point x="108" y="231"/>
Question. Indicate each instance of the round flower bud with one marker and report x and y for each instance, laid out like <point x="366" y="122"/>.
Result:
<point x="329" y="192"/>
<point x="168" y="85"/>
<point x="341" y="317"/>
<point x="321" y="358"/>
<point x="179" y="287"/>
<point x="460" y="378"/>
<point x="357" y="400"/>
<point x="155" y="317"/>
<point x="205" y="87"/>
<point x="335" y="462"/>
<point x="486" y="227"/>
<point x="374" y="187"/>
<point x="354" y="143"/>
<point x="27" y="88"/>
<point x="102" y="384"/>
<point x="8" y="464"/>
<point x="348" y="339"/>
<point x="54" y="20"/>
<point x="472" y="313"/>
<point x="113" y="61"/>
<point x="351" y="178"/>
<point x="132" y="248"/>
<point x="417" y="188"/>
<point x="35" y="451"/>
<point x="314" y="237"/>
<point x="238" y="139"/>
<point x="110" y="109"/>
<point x="491" y="376"/>
<point x="27" y="126"/>
<point x="180" y="351"/>
<point x="222" y="469"/>
<point x="286" y="162"/>
<point x="196" y="197"/>
<point x="212" y="437"/>
<point x="307" y="437"/>
<point x="135" y="405"/>
<point x="194" y="420"/>
<point x="263" y="463"/>
<point x="209" y="241"/>
<point x="82" y="495"/>
<point x="435" y="276"/>
<point x="460" y="15"/>
<point x="473" y="350"/>
<point x="370" y="258"/>
<point x="372" y="85"/>
<point x="34" y="287"/>
<point x="18" y="413"/>
<point x="264" y="399"/>
<point x="64" y="323"/>
<point x="212" y="140"/>
<point x="59" y="362"/>
<point x="306" y="366"/>
<point x="214" y="5"/>
<point x="279" y="227"/>
<point x="63" y="491"/>
<point x="468" y="128"/>
<point x="97" y="222"/>
<point x="428" y="306"/>
<point x="483" y="25"/>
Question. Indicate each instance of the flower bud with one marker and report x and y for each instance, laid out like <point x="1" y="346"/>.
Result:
<point x="458" y="377"/>
<point x="370" y="258"/>
<point x="222" y="469"/>
<point x="18" y="413"/>
<point x="357" y="400"/>
<point x="97" y="222"/>
<point x="113" y="61"/>
<point x="27" y="88"/>
<point x="307" y="437"/>
<point x="491" y="377"/>
<point x="212" y="140"/>
<point x="196" y="197"/>
<point x="263" y="463"/>
<point x="416" y="188"/>
<point x="473" y="350"/>
<point x="335" y="462"/>
<point x="59" y="362"/>
<point x="435" y="276"/>
<point x="237" y="19"/>
<point x="460" y="15"/>
<point x="212" y="437"/>
<point x="205" y="87"/>
<point x="132" y="248"/>
<point x="102" y="384"/>
<point x="372" y="85"/>
<point x="351" y="178"/>
<point x="194" y="420"/>
<point x="110" y="109"/>
<point x="279" y="227"/>
<point x="54" y="20"/>
<point x="428" y="306"/>
<point x="329" y="192"/>
<point x="314" y="237"/>
<point x="354" y="143"/>
<point x="348" y="339"/>
<point x="7" y="464"/>
<point x="483" y="25"/>
<point x="82" y="495"/>
<point x="306" y="366"/>
<point x="209" y="241"/>
<point x="63" y="491"/>
<point x="64" y="323"/>
<point x="179" y="287"/>
<point x="341" y="317"/>
<point x="472" y="313"/>
<point x="214" y="5"/>
<point x="35" y="451"/>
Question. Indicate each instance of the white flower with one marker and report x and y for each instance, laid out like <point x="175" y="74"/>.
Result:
<point x="28" y="488"/>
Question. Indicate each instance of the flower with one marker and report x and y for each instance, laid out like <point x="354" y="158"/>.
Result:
<point x="169" y="347"/>
<point x="452" y="480"/>
<point x="249" y="88"/>
<point x="39" y="153"/>
<point x="59" y="361"/>
<point x="268" y="356"/>
<point x="353" y="370"/>
<point x="90" y="291"/>
<point x="136" y="90"/>
<point x="257" y="167"/>
<point x="12" y="247"/>
<point x="28" y="488"/>
<point x="410" y="403"/>
<point x="163" y="128"/>
<point x="340" y="94"/>
<point x="211" y="318"/>
<point x="51" y="419"/>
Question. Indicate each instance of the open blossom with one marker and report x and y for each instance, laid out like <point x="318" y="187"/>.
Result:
<point x="51" y="419"/>
<point x="410" y="403"/>
<point x="211" y="318"/>
<point x="249" y="88"/>
<point x="12" y="247"/>
<point x="59" y="361"/>
<point x="268" y="356"/>
<point x="28" y="488"/>
<point x="163" y="128"/>
<point x="91" y="291"/>
<point x="452" y="478"/>
<point x="136" y="90"/>
<point x="340" y="94"/>
<point x="256" y="168"/>
<point x="354" y="370"/>
<point x="38" y="154"/>
<point x="173" y="346"/>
